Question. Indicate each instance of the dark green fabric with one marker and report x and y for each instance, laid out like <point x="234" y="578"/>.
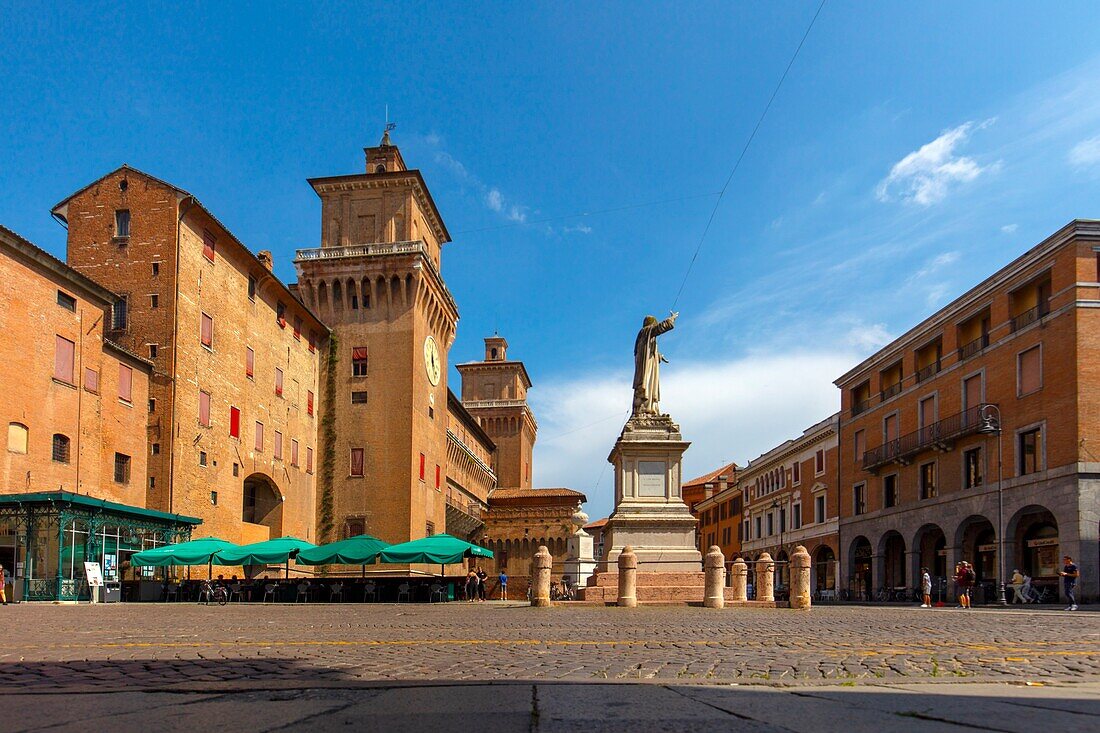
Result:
<point x="360" y="550"/>
<point x="439" y="549"/>
<point x="195" y="552"/>
<point x="263" y="553"/>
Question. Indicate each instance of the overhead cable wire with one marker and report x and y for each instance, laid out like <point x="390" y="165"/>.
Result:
<point x="744" y="150"/>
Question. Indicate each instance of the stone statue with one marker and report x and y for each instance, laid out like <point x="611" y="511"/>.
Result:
<point x="647" y="365"/>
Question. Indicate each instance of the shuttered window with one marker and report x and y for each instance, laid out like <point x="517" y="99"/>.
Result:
<point x="125" y="383"/>
<point x="91" y="380"/>
<point x="234" y="422"/>
<point x="1030" y="368"/>
<point x="356" y="461"/>
<point x="972" y="391"/>
<point x="359" y="361"/>
<point x="259" y="436"/>
<point x="206" y="331"/>
<point x="890" y="427"/>
<point x="208" y="241"/>
<point x="309" y="402"/>
<point x="278" y="450"/>
<point x="204" y="409"/>
<point x="64" y="354"/>
<point x="278" y="382"/>
<point x="309" y="460"/>
<point x="249" y="362"/>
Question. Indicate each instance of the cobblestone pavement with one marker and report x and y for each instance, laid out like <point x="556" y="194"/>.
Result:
<point x="186" y="647"/>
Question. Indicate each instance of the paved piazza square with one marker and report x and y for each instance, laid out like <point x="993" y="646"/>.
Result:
<point x="411" y="666"/>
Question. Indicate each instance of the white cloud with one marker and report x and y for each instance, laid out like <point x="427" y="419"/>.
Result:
<point x="926" y="175"/>
<point x="1086" y="152"/>
<point x="937" y="263"/>
<point x="491" y="196"/>
<point x="495" y="200"/>
<point x="731" y="411"/>
<point x="1010" y="228"/>
<point x="578" y="229"/>
<point x="866" y="338"/>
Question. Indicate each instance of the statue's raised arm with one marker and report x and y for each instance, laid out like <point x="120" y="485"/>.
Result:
<point x="647" y="364"/>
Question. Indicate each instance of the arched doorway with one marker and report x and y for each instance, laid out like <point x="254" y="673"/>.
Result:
<point x="824" y="568"/>
<point x="859" y="569"/>
<point x="1033" y="532"/>
<point x="977" y="542"/>
<point x="892" y="550"/>
<point x="931" y="544"/>
<point x="262" y="504"/>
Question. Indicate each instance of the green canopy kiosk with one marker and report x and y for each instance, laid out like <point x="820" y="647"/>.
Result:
<point x="270" y="552"/>
<point x="46" y="537"/>
<point x="358" y="550"/>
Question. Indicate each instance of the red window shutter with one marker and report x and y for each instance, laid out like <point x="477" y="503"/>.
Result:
<point x="309" y="460"/>
<point x="278" y="381"/>
<point x="359" y="353"/>
<point x="312" y="340"/>
<point x="206" y="333"/>
<point x="294" y="452"/>
<point x="356" y="461"/>
<point x="298" y="327"/>
<point x="437" y="475"/>
<point x="927" y="412"/>
<point x="249" y="362"/>
<point x="1031" y="373"/>
<point x="421" y="466"/>
<point x="309" y="401"/>
<point x="278" y="450"/>
<point x="860" y="447"/>
<point x="234" y="422"/>
<point x="259" y="436"/>
<point x="91" y="380"/>
<point x="125" y="382"/>
<point x="64" y="355"/>
<point x="208" y="241"/>
<point x="204" y="409"/>
<point x="891" y="424"/>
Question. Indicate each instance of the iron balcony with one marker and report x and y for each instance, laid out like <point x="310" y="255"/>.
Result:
<point x="940" y="435"/>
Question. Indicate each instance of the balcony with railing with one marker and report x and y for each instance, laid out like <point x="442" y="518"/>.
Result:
<point x="1030" y="316"/>
<point x="482" y="404"/>
<point x="940" y="435"/>
<point x="361" y="250"/>
<point x="890" y="391"/>
<point x="968" y="350"/>
<point x="861" y="406"/>
<point x="929" y="371"/>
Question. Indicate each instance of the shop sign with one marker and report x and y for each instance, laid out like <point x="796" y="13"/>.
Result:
<point x="93" y="574"/>
<point x="1044" y="542"/>
<point x="987" y="548"/>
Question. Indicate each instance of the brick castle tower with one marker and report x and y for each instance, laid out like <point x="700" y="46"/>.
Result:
<point x="375" y="280"/>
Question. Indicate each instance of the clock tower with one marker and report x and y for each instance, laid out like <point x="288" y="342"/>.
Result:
<point x="375" y="280"/>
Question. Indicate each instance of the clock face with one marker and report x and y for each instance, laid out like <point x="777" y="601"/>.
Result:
<point x="433" y="364"/>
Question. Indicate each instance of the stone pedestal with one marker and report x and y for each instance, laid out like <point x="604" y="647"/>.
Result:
<point x="579" y="560"/>
<point x="650" y="516"/>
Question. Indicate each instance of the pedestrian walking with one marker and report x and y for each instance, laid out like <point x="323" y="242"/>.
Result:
<point x="1017" y="586"/>
<point x="482" y="576"/>
<point x="925" y="588"/>
<point x="1070" y="574"/>
<point x="964" y="581"/>
<point x="3" y="583"/>
<point x="503" y="579"/>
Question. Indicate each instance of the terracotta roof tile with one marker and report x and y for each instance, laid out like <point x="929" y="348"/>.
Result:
<point x="560" y="493"/>
<point x="729" y="469"/>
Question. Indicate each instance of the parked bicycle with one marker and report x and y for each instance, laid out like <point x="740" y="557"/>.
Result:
<point x="213" y="593"/>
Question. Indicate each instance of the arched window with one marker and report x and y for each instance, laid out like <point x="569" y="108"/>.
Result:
<point x="380" y="168"/>
<point x="17" y="437"/>
<point x="61" y="448"/>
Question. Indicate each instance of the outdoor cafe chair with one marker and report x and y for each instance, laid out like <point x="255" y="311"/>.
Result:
<point x="269" y="592"/>
<point x="403" y="591"/>
<point x="369" y="591"/>
<point x="303" y="592"/>
<point x="437" y="590"/>
<point x="171" y="592"/>
<point x="336" y="590"/>
<point x="235" y="590"/>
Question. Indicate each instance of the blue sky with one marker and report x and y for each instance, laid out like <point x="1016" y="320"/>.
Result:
<point x="911" y="151"/>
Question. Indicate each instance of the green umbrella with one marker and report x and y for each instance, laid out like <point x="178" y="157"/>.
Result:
<point x="263" y="553"/>
<point x="439" y="548"/>
<point x="358" y="550"/>
<point x="195" y="552"/>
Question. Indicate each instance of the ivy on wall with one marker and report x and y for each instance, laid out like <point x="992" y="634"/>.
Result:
<point x="325" y="519"/>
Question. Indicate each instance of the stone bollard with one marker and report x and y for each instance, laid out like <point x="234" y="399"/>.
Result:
<point x="540" y="594"/>
<point x="739" y="580"/>
<point x="628" y="578"/>
<point x="800" y="578"/>
<point x="765" y="578"/>
<point x="715" y="568"/>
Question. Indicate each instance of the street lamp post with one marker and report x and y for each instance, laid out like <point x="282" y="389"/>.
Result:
<point x="779" y="521"/>
<point x="991" y="425"/>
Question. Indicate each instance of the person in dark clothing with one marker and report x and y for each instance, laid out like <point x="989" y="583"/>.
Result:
<point x="1070" y="574"/>
<point x="482" y="576"/>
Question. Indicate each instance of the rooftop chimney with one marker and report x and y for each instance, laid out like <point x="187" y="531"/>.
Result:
<point x="264" y="256"/>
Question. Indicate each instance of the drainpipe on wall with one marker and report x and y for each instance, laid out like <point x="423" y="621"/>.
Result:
<point x="175" y="356"/>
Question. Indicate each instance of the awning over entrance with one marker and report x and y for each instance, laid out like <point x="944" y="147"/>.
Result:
<point x="46" y="537"/>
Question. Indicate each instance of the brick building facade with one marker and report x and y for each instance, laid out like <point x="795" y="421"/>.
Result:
<point x="716" y="503"/>
<point x="233" y="400"/>
<point x="919" y="448"/>
<point x="789" y="498"/>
